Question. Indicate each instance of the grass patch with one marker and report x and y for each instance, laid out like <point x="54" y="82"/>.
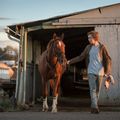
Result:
<point x="6" y="104"/>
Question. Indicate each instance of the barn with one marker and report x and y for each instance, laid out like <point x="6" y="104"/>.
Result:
<point x="34" y="36"/>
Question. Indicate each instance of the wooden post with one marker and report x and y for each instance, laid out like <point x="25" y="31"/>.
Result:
<point x="24" y="66"/>
<point x="18" y="71"/>
<point x="19" y="92"/>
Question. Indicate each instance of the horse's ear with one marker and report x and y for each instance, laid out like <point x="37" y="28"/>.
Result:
<point x="54" y="36"/>
<point x="62" y="36"/>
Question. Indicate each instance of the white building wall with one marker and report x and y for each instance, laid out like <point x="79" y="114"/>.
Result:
<point x="110" y="36"/>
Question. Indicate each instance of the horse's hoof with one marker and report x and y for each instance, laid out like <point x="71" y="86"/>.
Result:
<point x="54" y="110"/>
<point x="45" y="110"/>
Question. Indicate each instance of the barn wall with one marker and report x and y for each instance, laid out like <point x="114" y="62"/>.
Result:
<point x="37" y="79"/>
<point x="110" y="36"/>
<point x="33" y="50"/>
<point x="29" y="51"/>
<point x="96" y="16"/>
<point x="33" y="85"/>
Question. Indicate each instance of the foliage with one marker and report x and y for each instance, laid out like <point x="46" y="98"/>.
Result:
<point x="5" y="104"/>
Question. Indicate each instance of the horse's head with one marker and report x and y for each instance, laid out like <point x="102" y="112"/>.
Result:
<point x="58" y="43"/>
<point x="56" y="47"/>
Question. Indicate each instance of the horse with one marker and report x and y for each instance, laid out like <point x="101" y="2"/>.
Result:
<point x="52" y="64"/>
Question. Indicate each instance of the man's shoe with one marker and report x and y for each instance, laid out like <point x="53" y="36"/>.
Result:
<point x="94" y="110"/>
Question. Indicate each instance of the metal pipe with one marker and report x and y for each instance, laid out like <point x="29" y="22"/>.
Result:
<point x="8" y="29"/>
<point x="13" y="39"/>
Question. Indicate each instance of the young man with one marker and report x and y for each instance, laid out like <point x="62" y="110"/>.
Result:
<point x="98" y="64"/>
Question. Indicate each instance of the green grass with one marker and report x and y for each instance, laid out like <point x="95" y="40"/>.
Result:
<point x="5" y="104"/>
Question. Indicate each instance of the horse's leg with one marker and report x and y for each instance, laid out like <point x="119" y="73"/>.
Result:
<point x="51" y="83"/>
<point x="55" y="94"/>
<point x="45" y="93"/>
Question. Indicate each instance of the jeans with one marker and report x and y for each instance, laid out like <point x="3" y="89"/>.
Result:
<point x="94" y="85"/>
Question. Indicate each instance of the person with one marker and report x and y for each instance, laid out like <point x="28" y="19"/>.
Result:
<point x="98" y="64"/>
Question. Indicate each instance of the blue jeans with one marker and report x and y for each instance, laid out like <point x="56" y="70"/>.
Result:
<point x="94" y="85"/>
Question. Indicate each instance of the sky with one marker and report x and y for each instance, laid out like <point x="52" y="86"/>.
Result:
<point x="21" y="11"/>
<point x="18" y="11"/>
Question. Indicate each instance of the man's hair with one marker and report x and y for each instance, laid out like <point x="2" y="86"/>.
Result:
<point x="94" y="34"/>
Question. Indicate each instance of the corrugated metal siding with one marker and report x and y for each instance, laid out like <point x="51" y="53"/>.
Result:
<point x="110" y="36"/>
<point x="33" y="50"/>
<point x="29" y="83"/>
<point x="37" y="79"/>
<point x="37" y="49"/>
<point x="29" y="50"/>
<point x="106" y="15"/>
<point x="33" y="80"/>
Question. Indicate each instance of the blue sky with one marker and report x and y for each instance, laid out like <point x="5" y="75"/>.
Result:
<point x="18" y="11"/>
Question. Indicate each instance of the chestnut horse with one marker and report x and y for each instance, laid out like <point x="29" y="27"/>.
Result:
<point x="52" y="64"/>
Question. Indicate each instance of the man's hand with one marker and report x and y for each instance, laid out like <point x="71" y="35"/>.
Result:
<point x="108" y="79"/>
<point x="68" y="62"/>
<point x="107" y="84"/>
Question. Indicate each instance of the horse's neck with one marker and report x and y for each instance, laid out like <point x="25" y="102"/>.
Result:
<point x="50" y="53"/>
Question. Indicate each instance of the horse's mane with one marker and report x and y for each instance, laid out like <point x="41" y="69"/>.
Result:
<point x="51" y="48"/>
<point x="49" y="45"/>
